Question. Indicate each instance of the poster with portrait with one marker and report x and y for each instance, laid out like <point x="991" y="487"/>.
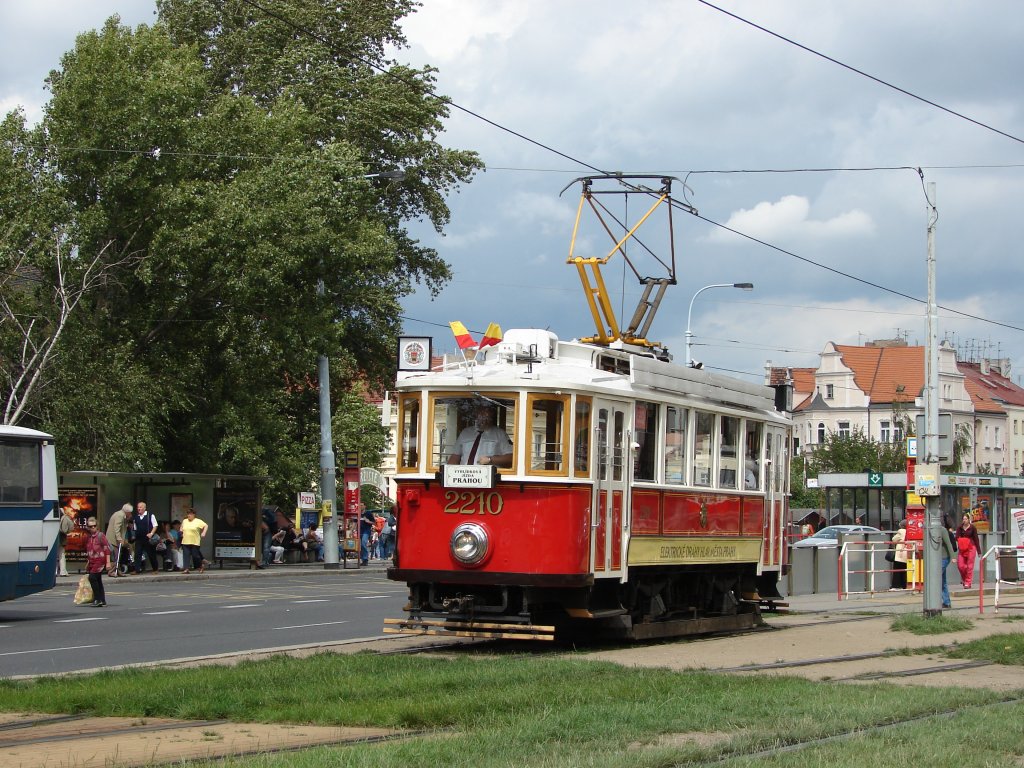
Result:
<point x="83" y="503"/>
<point x="235" y="523"/>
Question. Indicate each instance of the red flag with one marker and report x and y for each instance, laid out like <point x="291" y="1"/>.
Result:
<point x="491" y="336"/>
<point x="462" y="337"/>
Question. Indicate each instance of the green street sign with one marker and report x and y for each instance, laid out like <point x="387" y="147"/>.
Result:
<point x="874" y="479"/>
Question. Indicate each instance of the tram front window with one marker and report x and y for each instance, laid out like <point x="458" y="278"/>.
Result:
<point x="481" y="427"/>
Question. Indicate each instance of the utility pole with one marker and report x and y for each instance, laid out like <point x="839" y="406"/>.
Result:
<point x="933" y="524"/>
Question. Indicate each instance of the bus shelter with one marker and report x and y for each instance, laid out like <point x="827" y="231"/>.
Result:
<point x="228" y="504"/>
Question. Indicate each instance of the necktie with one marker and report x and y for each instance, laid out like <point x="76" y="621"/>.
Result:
<point x="472" y="451"/>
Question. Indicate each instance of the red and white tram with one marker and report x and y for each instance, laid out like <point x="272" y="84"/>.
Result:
<point x="639" y="498"/>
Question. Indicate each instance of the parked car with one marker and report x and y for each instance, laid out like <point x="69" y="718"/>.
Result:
<point x="829" y="536"/>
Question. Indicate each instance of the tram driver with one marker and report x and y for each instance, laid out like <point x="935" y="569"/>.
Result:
<point x="483" y="442"/>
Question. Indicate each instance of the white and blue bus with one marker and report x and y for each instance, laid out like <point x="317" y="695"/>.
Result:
<point x="29" y="513"/>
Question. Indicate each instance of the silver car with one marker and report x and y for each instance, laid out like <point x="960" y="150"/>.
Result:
<point x="829" y="536"/>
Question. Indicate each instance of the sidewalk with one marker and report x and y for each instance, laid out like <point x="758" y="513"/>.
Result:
<point x="233" y="569"/>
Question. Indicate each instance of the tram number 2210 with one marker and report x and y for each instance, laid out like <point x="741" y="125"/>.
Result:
<point x="473" y="503"/>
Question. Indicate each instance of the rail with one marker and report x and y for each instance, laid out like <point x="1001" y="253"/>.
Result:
<point x="1002" y="552"/>
<point x="871" y="548"/>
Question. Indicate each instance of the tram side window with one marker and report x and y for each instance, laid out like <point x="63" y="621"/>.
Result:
<point x="646" y="436"/>
<point x="582" y="449"/>
<point x="752" y="463"/>
<point x="473" y="430"/>
<point x="602" y="444"/>
<point x="20" y="473"/>
<point x="703" y="447"/>
<point x="675" y="444"/>
<point x="409" y="418"/>
<point x="547" y="434"/>
<point x="617" y="448"/>
<point x="729" y="439"/>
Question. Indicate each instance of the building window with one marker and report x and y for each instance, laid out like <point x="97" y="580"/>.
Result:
<point x="886" y="432"/>
<point x="830" y="391"/>
<point x="844" y="429"/>
<point x="947" y="391"/>
<point x="821" y="433"/>
<point x="998" y="444"/>
<point x="987" y="443"/>
<point x="1015" y="426"/>
<point x="897" y="434"/>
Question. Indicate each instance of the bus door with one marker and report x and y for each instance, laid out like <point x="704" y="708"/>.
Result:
<point x="775" y="496"/>
<point x="609" y="512"/>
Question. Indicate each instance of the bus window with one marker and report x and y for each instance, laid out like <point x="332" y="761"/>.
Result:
<point x="547" y="434"/>
<point x="477" y="430"/>
<point x="752" y="451"/>
<point x="20" y="472"/>
<point x="582" y="448"/>
<point x="729" y="444"/>
<point x="409" y="419"/>
<point x="675" y="444"/>
<point x="646" y="436"/>
<point x="703" y="447"/>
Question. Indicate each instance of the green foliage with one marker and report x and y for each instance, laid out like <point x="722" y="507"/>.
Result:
<point x="999" y="649"/>
<point x="802" y="497"/>
<point x="856" y="452"/>
<point x="227" y="149"/>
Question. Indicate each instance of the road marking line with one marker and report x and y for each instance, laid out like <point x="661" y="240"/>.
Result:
<point x="303" y="626"/>
<point x="48" y="650"/>
<point x="243" y="605"/>
<point x="162" y="613"/>
<point x="310" y="601"/>
<point x="71" y="621"/>
<point x="371" y="597"/>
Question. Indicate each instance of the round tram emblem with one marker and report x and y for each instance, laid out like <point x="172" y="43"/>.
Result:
<point x="413" y="353"/>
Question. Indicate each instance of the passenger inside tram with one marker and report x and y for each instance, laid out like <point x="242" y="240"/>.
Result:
<point x="483" y="442"/>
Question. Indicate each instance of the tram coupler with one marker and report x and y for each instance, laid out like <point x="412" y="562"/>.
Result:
<point x="458" y="604"/>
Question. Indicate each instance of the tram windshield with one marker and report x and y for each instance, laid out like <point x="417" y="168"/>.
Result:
<point x="477" y="429"/>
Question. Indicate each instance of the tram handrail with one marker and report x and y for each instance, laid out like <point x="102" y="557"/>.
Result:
<point x="999" y="579"/>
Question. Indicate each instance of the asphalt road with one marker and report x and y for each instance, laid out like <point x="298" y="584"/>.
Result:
<point x="169" y="618"/>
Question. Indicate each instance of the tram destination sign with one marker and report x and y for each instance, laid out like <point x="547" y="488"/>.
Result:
<point x="469" y="476"/>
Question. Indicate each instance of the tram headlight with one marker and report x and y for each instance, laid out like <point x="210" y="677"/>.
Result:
<point x="469" y="543"/>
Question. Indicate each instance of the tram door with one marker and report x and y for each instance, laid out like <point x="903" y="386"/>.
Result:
<point x="609" y="505"/>
<point x="775" y="501"/>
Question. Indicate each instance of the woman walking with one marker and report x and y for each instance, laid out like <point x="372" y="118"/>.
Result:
<point x="193" y="531"/>
<point x="97" y="550"/>
<point x="899" y="574"/>
<point x="967" y="548"/>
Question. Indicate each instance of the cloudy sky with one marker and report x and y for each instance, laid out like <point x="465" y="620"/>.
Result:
<point x="815" y="161"/>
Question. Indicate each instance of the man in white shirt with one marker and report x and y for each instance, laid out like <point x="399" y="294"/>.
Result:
<point x="483" y="443"/>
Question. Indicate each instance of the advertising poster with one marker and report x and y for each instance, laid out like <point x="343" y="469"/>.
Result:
<point x="84" y="503"/>
<point x="235" y="522"/>
<point x="979" y="507"/>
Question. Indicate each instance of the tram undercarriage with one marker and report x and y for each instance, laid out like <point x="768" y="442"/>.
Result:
<point x="655" y="602"/>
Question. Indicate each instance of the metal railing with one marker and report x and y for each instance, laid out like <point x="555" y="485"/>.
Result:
<point x="872" y="549"/>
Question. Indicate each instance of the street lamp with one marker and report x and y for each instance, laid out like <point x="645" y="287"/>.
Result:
<point x="328" y="472"/>
<point x="689" y="336"/>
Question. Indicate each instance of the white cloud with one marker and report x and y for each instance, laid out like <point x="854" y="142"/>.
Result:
<point x="789" y="219"/>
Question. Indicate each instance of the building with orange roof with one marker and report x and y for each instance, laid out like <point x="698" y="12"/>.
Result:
<point x="877" y="387"/>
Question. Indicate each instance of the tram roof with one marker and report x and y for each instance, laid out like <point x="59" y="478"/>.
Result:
<point x="534" y="358"/>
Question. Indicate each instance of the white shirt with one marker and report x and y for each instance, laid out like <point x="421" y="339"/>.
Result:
<point x="493" y="442"/>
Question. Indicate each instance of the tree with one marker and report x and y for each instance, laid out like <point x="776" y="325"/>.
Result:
<point x="856" y="452"/>
<point x="227" y="147"/>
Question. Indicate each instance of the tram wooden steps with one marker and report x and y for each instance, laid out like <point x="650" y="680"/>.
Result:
<point x="479" y="629"/>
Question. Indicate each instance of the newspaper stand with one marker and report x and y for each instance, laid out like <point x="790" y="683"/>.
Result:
<point x="1008" y="572"/>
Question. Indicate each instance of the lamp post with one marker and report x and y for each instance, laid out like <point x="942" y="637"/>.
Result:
<point x="689" y="314"/>
<point x="328" y="470"/>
